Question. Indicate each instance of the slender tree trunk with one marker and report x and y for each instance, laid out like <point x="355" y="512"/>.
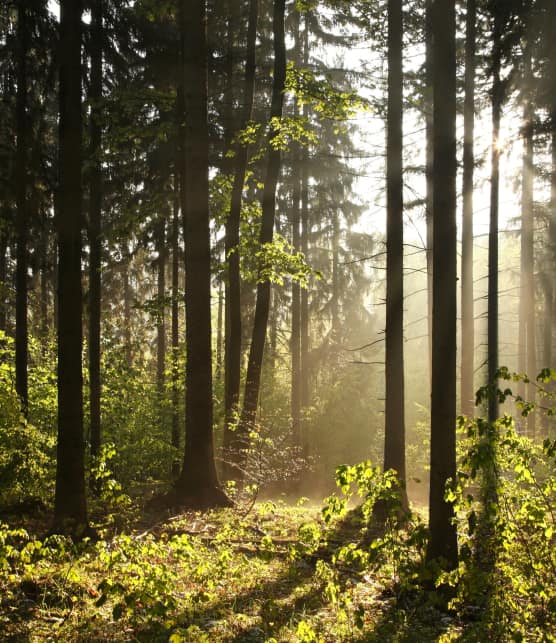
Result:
<point x="394" y="445"/>
<point x="3" y="277"/>
<point x="44" y="294"/>
<point x="527" y="298"/>
<point x="467" y="307"/>
<point x="232" y="377"/>
<point x="429" y="127"/>
<point x="161" y="319"/>
<point x="22" y="225"/>
<point x="70" y="510"/>
<point x="253" y="379"/>
<point x="95" y="212"/>
<point x="443" y="537"/>
<point x="127" y="309"/>
<point x="492" y="331"/>
<point x="197" y="485"/>
<point x="220" y="330"/>
<point x="335" y="305"/>
<point x="175" y="327"/>
<point x="304" y="241"/>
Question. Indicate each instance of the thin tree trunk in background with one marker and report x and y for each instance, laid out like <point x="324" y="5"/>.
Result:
<point x="95" y="213"/>
<point x="127" y="309"/>
<point x="335" y="310"/>
<point x="492" y="330"/>
<point x="394" y="443"/>
<point x="467" y="394"/>
<point x="527" y="285"/>
<point x="232" y="376"/>
<point x="304" y="241"/>
<point x="175" y="327"/>
<point x="22" y="224"/>
<point x="43" y="282"/>
<point x="429" y="128"/>
<point x="443" y="537"/>
<point x="295" y="341"/>
<point x="197" y="485"/>
<point x="220" y="330"/>
<point x="254" y="367"/>
<point x="161" y="319"/>
<point x="70" y="509"/>
<point x="3" y="276"/>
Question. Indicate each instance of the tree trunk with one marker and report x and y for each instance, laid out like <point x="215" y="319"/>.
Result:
<point x="95" y="212"/>
<point x="253" y="379"/>
<point x="197" y="485"/>
<point x="127" y="308"/>
<point x="429" y="127"/>
<point x="232" y="376"/>
<point x="161" y="313"/>
<point x="70" y="510"/>
<point x="22" y="224"/>
<point x="443" y="535"/>
<point x="492" y="330"/>
<point x="175" y="327"/>
<point x="3" y="276"/>
<point x="394" y="444"/>
<point x="467" y="396"/>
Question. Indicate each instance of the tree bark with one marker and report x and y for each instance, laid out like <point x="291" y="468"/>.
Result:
<point x="429" y="128"/>
<point x="443" y="537"/>
<point x="492" y="323"/>
<point x="232" y="375"/>
<point x="70" y="510"/>
<point x="95" y="214"/>
<point x="175" y="326"/>
<point x="197" y="485"/>
<point x="394" y="444"/>
<point x="467" y="396"/>
<point x="161" y="313"/>
<point x="22" y="224"/>
<point x="253" y="379"/>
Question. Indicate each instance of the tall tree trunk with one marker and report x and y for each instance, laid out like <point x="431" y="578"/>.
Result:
<point x="443" y="536"/>
<point x="429" y="128"/>
<point x="22" y="225"/>
<point x="232" y="376"/>
<point x="220" y="330"/>
<point x="3" y="276"/>
<point x="175" y="326"/>
<point x="253" y="379"/>
<point x="492" y="322"/>
<point x="126" y="259"/>
<point x="295" y="341"/>
<point x="95" y="213"/>
<point x="467" y="307"/>
<point x="161" y="317"/>
<point x="394" y="444"/>
<point x="304" y="241"/>
<point x="197" y="485"/>
<point x="70" y="510"/>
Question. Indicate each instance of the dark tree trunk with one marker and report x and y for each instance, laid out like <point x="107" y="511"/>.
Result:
<point x="467" y="309"/>
<point x="70" y="510"/>
<point x="304" y="241"/>
<point x="429" y="127"/>
<point x="232" y="375"/>
<point x="95" y="212"/>
<point x="492" y="322"/>
<point x="21" y="170"/>
<point x="394" y="444"/>
<point x="443" y="536"/>
<point x="253" y="379"/>
<point x="161" y="318"/>
<point x="126" y="259"/>
<point x="197" y="485"/>
<point x="219" y="330"/>
<point x="175" y="327"/>
<point x="3" y="276"/>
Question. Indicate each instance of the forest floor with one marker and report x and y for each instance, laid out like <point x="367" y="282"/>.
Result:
<point x="276" y="574"/>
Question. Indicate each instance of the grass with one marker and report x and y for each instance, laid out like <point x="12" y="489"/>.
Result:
<point x="273" y="575"/>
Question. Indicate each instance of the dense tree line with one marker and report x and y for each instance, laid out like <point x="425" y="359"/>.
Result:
<point x="179" y="213"/>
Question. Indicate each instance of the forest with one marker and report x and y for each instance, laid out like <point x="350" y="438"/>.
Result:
<point x="277" y="320"/>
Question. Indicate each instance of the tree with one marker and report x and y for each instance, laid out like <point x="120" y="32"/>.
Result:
<point x="22" y="222"/>
<point x="253" y="378"/>
<point x="95" y="212"/>
<point x="443" y="538"/>
<point x="394" y="446"/>
<point x="70" y="510"/>
<point x="467" y="308"/>
<point x="197" y="484"/>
